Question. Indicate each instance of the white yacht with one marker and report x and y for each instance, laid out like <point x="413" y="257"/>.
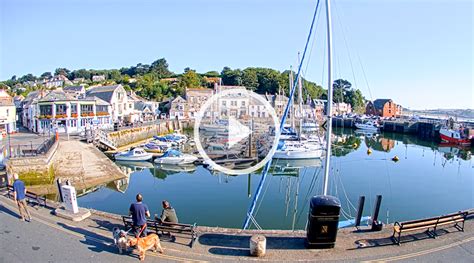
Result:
<point x="369" y="126"/>
<point x="173" y="156"/>
<point x="136" y="154"/>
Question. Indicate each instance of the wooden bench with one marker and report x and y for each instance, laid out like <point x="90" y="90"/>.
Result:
<point x="156" y="226"/>
<point x="31" y="198"/>
<point x="455" y="219"/>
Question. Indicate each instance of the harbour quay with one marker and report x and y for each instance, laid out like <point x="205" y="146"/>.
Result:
<point x="423" y="128"/>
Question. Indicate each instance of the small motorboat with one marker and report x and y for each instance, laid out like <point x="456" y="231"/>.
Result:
<point x="173" y="156"/>
<point x="153" y="147"/>
<point x="135" y="154"/>
<point x="368" y="126"/>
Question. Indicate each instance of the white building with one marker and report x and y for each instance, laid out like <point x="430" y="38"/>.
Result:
<point x="7" y="113"/>
<point x="64" y="113"/>
<point x="117" y="97"/>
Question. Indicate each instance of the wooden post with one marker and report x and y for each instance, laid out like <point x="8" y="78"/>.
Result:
<point x="258" y="245"/>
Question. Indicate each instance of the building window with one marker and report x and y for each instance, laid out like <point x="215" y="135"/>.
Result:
<point x="46" y="110"/>
<point x="224" y="103"/>
<point x="243" y="103"/>
<point x="233" y="103"/>
<point x="60" y="108"/>
<point x="73" y="108"/>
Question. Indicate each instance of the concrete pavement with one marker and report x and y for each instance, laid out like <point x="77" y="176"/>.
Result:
<point x="51" y="239"/>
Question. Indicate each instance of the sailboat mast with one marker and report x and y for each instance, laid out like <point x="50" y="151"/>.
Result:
<point x="292" y="112"/>
<point x="329" y="103"/>
<point x="300" y="101"/>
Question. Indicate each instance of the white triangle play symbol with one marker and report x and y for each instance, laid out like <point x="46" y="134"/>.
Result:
<point x="237" y="132"/>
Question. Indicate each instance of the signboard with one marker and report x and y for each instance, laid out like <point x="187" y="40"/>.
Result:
<point x="69" y="198"/>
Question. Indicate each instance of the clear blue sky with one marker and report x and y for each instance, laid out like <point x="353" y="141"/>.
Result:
<point x="417" y="52"/>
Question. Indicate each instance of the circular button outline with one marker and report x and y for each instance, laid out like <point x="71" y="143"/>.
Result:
<point x="201" y="114"/>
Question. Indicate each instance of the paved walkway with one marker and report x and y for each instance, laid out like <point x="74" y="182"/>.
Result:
<point x="51" y="239"/>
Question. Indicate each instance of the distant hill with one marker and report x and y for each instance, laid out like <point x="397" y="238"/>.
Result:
<point x="460" y="113"/>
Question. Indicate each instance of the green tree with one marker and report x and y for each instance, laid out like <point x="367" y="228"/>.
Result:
<point x="249" y="78"/>
<point x="357" y="100"/>
<point x="231" y="77"/>
<point x="160" y="68"/>
<point x="27" y="77"/>
<point x="62" y="71"/>
<point x="81" y="73"/>
<point x="190" y="79"/>
<point x="46" y="75"/>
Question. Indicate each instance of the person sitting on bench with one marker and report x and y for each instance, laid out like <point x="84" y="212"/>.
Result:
<point x="168" y="215"/>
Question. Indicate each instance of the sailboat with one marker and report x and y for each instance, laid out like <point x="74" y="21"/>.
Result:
<point x="323" y="199"/>
<point x="301" y="148"/>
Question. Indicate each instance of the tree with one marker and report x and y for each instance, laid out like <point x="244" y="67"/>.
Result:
<point x="81" y="73"/>
<point x="114" y="74"/>
<point x="46" y="75"/>
<point x="27" y="77"/>
<point x="62" y="71"/>
<point x="212" y="74"/>
<point x="231" y="77"/>
<point x="357" y="101"/>
<point x="341" y="87"/>
<point x="190" y="79"/>
<point x="160" y="68"/>
<point x="249" y="78"/>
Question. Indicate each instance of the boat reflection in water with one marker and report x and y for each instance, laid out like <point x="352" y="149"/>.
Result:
<point x="221" y="200"/>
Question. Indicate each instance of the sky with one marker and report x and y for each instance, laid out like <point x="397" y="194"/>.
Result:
<point x="417" y="52"/>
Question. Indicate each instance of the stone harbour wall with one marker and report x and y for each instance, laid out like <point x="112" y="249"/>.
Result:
<point x="34" y="170"/>
<point x="133" y="135"/>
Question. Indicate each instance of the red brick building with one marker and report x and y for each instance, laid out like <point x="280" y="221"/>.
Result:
<point x="383" y="108"/>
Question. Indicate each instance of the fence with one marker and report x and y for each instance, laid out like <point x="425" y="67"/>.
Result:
<point x="30" y="150"/>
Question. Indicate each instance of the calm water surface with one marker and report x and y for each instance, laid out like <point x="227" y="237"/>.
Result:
<point x="428" y="180"/>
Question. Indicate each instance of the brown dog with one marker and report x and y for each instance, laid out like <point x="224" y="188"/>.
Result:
<point x="145" y="243"/>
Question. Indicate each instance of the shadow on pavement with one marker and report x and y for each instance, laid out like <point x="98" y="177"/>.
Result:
<point x="105" y="225"/>
<point x="233" y="245"/>
<point x="388" y="241"/>
<point x="8" y="211"/>
<point x="229" y="251"/>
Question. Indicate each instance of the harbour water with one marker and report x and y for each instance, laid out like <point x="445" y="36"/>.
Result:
<point x="429" y="179"/>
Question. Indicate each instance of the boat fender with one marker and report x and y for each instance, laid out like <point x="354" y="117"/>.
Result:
<point x="395" y="158"/>
<point x="369" y="151"/>
<point x="354" y="145"/>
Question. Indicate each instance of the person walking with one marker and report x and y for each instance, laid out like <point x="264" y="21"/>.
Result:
<point x="139" y="212"/>
<point x="19" y="195"/>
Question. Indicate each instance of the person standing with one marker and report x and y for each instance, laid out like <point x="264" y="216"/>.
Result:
<point x="19" y="195"/>
<point x="139" y="212"/>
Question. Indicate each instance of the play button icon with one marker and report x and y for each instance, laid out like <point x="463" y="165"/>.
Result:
<point x="236" y="131"/>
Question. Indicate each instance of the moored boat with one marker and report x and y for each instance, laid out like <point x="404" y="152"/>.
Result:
<point x="459" y="136"/>
<point x="136" y="154"/>
<point x="173" y="156"/>
<point x="368" y="126"/>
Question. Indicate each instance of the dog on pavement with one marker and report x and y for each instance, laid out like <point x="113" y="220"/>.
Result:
<point x="145" y="243"/>
<point x="120" y="239"/>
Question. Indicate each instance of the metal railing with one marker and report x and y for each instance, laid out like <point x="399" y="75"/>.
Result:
<point x="30" y="150"/>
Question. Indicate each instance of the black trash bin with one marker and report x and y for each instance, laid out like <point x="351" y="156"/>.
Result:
<point x="323" y="220"/>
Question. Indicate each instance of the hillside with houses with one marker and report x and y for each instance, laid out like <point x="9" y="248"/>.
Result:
<point x="72" y="101"/>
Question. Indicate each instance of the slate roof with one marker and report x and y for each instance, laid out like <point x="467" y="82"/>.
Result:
<point x="378" y="103"/>
<point x="98" y="101"/>
<point x="56" y="96"/>
<point x="74" y="88"/>
<point x="104" y="92"/>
